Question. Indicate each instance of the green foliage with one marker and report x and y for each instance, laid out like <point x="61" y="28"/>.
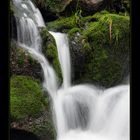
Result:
<point x="26" y="98"/>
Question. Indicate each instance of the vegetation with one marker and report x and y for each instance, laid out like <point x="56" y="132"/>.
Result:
<point x="26" y="98"/>
<point x="50" y="51"/>
<point x="27" y="106"/>
<point x="62" y="24"/>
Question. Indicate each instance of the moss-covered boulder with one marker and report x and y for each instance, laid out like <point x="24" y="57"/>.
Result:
<point x="26" y="98"/>
<point x="100" y="44"/>
<point x="29" y="107"/>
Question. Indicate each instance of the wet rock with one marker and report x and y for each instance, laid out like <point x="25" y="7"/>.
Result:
<point x="19" y="134"/>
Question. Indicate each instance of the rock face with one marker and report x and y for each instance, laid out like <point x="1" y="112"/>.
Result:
<point x="51" y="10"/>
<point x="93" y="3"/>
<point x="54" y="9"/>
<point x="21" y="63"/>
<point x="87" y="7"/>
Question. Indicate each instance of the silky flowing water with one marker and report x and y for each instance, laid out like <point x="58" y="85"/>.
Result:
<point x="80" y="112"/>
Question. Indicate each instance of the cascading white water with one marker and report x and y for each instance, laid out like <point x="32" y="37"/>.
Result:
<point x="64" y="57"/>
<point x="82" y="112"/>
<point x="85" y="112"/>
<point x="29" y="38"/>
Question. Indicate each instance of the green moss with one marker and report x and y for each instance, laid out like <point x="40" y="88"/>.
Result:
<point x="50" y="51"/>
<point x="103" y="69"/>
<point x="26" y="98"/>
<point x="62" y="24"/>
<point x="99" y="32"/>
<point x="45" y="35"/>
<point x="68" y="23"/>
<point x="104" y="64"/>
<point x="73" y="31"/>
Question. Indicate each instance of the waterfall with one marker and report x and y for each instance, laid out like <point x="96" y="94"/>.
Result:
<point x="64" y="57"/>
<point x="29" y="38"/>
<point x="81" y="112"/>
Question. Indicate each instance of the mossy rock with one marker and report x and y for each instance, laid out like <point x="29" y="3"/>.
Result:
<point x="108" y="59"/>
<point x="30" y="108"/>
<point x="100" y="44"/>
<point x="22" y="63"/>
<point x="49" y="49"/>
<point x="26" y="98"/>
<point x="45" y="130"/>
<point x="62" y="24"/>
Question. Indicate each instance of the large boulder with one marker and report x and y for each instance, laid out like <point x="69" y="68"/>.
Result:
<point x="30" y="107"/>
<point x="100" y="44"/>
<point x="87" y="7"/>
